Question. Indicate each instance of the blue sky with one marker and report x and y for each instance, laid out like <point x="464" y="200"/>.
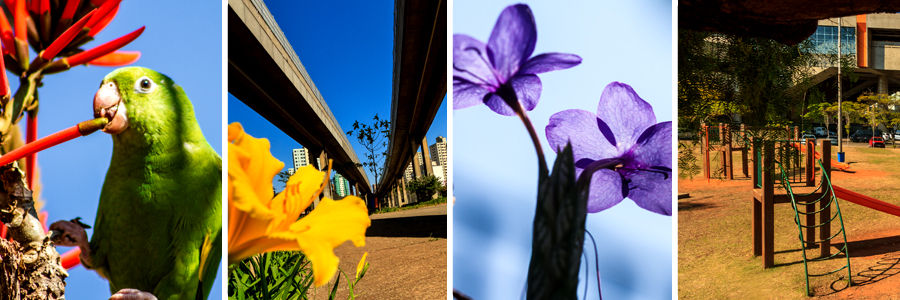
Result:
<point x="183" y="40"/>
<point x="349" y="57"/>
<point x="495" y="167"/>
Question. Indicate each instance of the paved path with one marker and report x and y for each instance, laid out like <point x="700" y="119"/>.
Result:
<point x="407" y="257"/>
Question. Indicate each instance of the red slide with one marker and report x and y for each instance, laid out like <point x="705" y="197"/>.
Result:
<point x="834" y="164"/>
<point x="866" y="201"/>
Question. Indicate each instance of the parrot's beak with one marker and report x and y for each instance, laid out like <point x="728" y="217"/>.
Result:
<point x="108" y="104"/>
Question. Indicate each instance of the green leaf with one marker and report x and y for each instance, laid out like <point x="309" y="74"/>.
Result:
<point x="558" y="232"/>
<point x="334" y="289"/>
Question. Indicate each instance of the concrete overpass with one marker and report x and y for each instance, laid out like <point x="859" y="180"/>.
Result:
<point x="265" y="73"/>
<point x="420" y="84"/>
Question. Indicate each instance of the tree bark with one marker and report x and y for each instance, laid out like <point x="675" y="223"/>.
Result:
<point x="29" y="264"/>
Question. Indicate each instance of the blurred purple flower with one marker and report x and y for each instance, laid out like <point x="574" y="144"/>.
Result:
<point x="629" y="154"/>
<point x="502" y="68"/>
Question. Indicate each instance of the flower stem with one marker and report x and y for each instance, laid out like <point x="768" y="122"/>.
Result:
<point x="509" y="96"/>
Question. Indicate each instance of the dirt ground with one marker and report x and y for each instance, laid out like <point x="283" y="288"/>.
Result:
<point x="715" y="258"/>
<point x="407" y="257"/>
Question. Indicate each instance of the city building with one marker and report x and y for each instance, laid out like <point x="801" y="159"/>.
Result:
<point x="291" y="172"/>
<point x="341" y="185"/>
<point x="301" y="158"/>
<point x="439" y="172"/>
<point x="439" y="154"/>
<point x="873" y="40"/>
<point x="409" y="174"/>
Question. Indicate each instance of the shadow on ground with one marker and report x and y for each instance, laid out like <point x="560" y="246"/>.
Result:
<point x="695" y="204"/>
<point x="872" y="247"/>
<point x="422" y="226"/>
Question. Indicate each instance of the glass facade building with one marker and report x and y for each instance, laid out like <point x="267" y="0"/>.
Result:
<point x="825" y="40"/>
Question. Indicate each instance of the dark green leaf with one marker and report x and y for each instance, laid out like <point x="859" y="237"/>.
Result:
<point x="558" y="233"/>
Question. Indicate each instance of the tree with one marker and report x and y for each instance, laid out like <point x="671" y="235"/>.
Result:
<point x="425" y="187"/>
<point x="283" y="177"/>
<point x="375" y="139"/>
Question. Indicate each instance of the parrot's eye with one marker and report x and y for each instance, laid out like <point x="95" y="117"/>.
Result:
<point x="144" y="85"/>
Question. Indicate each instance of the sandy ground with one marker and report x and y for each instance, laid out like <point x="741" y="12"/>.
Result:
<point x="407" y="257"/>
<point x="714" y="250"/>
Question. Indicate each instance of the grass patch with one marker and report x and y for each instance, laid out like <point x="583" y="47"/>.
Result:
<point x="432" y="202"/>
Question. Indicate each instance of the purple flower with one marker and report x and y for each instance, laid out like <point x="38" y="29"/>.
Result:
<point x="502" y="68"/>
<point x="629" y="154"/>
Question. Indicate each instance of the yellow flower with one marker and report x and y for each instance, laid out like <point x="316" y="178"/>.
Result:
<point x="362" y="263"/>
<point x="259" y="223"/>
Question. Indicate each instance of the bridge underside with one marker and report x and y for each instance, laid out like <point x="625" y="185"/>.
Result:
<point x="261" y="76"/>
<point x="420" y="82"/>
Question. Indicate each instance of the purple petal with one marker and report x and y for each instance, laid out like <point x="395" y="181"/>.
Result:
<point x="470" y="61"/>
<point x="512" y="40"/>
<point x="656" y="148"/>
<point x="467" y="94"/>
<point x="651" y="190"/>
<point x="549" y="62"/>
<point x="606" y="190"/>
<point x="578" y="127"/>
<point x="626" y="113"/>
<point x="528" y="90"/>
<point x="496" y="104"/>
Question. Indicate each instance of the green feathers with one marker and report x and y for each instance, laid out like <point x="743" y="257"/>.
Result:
<point x="158" y="227"/>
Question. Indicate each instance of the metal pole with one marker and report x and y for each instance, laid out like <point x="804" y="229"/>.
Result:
<point x="840" y="98"/>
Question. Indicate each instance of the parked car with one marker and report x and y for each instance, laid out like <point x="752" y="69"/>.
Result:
<point x="887" y="135"/>
<point x="820" y="131"/>
<point x="833" y="139"/>
<point x="810" y="136"/>
<point x="876" y="141"/>
<point x="862" y="136"/>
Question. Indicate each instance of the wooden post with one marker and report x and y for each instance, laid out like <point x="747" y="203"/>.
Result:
<point x="825" y="216"/>
<point x="756" y="220"/>
<point x="722" y="157"/>
<point x="704" y="149"/>
<point x="810" y="181"/>
<point x="744" y="151"/>
<point x="729" y="160"/>
<point x="768" y="207"/>
<point x="810" y="162"/>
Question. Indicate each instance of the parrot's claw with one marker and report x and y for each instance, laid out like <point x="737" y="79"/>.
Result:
<point x="132" y="294"/>
<point x="68" y="233"/>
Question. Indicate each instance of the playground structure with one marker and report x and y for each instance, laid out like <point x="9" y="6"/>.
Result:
<point x="764" y="199"/>
<point x="726" y="145"/>
<point x="801" y="169"/>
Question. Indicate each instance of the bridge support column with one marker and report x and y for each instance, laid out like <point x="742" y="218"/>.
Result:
<point x="389" y="197"/>
<point x="405" y="191"/>
<point x="398" y="197"/>
<point x="427" y="157"/>
<point x="415" y="162"/>
<point x="322" y="163"/>
<point x="393" y="196"/>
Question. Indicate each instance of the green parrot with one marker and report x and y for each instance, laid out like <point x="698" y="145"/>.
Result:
<point x="158" y="230"/>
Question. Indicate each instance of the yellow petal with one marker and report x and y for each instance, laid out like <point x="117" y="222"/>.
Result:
<point x="250" y="173"/>
<point x="301" y="189"/>
<point x="261" y="168"/>
<point x="235" y="130"/>
<point x="258" y="246"/>
<point x="329" y="225"/>
<point x="362" y="262"/>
